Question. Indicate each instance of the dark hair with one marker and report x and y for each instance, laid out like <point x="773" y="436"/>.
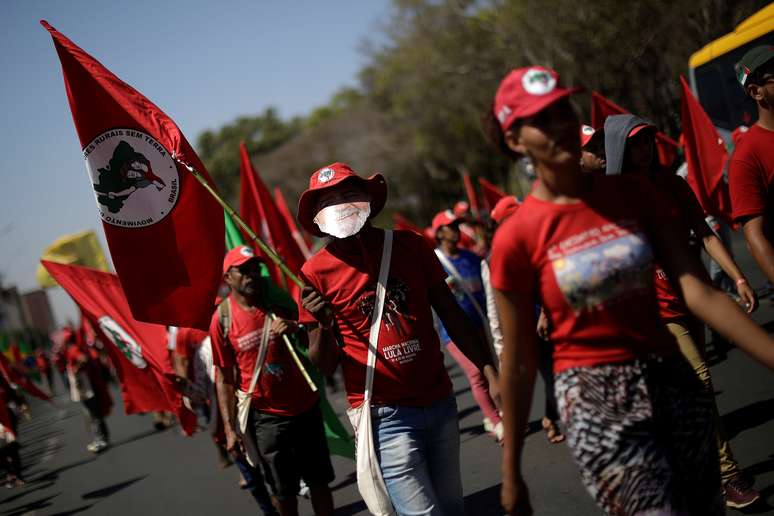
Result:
<point x="495" y="135"/>
<point x="757" y="76"/>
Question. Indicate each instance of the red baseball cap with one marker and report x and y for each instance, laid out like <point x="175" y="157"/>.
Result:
<point x="329" y="177"/>
<point x="461" y="208"/>
<point x="586" y="134"/>
<point x="504" y="208"/>
<point x="444" y="218"/>
<point x="639" y="128"/>
<point x="237" y="256"/>
<point x="525" y="92"/>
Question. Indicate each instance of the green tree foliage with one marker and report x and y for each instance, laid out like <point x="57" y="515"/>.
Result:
<point x="219" y="150"/>
<point x="416" y="116"/>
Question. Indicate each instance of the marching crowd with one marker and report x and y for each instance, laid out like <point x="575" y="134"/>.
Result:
<point x="594" y="280"/>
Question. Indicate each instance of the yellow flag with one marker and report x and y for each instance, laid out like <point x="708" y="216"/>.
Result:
<point x="76" y="249"/>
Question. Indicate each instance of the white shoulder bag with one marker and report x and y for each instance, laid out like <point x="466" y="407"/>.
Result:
<point x="244" y="398"/>
<point x="369" y="475"/>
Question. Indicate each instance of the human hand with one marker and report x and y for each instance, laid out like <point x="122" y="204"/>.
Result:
<point x="314" y="303"/>
<point x="280" y="326"/>
<point x="233" y="442"/>
<point x="749" y="298"/>
<point x="542" y="325"/>
<point x="514" y="497"/>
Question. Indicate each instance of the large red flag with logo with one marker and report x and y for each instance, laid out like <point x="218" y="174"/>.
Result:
<point x="602" y="107"/>
<point x="705" y="156"/>
<point x="304" y="244"/>
<point x="490" y="193"/>
<point x="164" y="231"/>
<point x="257" y="207"/>
<point x="16" y="377"/>
<point x="138" y="349"/>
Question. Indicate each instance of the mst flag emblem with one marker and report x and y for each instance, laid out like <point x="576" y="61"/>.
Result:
<point x="123" y="341"/>
<point x="134" y="177"/>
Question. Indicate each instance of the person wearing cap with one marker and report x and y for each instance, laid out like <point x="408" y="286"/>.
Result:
<point x="285" y="418"/>
<point x="631" y="146"/>
<point x="638" y="421"/>
<point x="464" y="279"/>
<point x="592" y="149"/>
<point x="751" y="169"/>
<point x="414" y="411"/>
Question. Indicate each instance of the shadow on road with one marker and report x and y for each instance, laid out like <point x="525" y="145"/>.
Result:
<point x="41" y="503"/>
<point x="27" y="490"/>
<point x="486" y="501"/>
<point x="51" y="476"/>
<point x="351" y="479"/>
<point x="748" y="417"/>
<point x="73" y="511"/>
<point x="110" y="490"/>
<point x="136" y="437"/>
<point x="352" y="508"/>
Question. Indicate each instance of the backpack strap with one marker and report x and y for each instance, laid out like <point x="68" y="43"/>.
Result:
<point x="224" y="317"/>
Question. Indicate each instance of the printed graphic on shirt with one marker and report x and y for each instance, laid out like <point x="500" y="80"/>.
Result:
<point x="395" y="315"/>
<point x="395" y="304"/>
<point x="602" y="265"/>
<point x="249" y="340"/>
<point x="275" y="369"/>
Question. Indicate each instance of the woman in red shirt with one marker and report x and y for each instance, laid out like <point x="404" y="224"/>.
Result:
<point x="637" y="419"/>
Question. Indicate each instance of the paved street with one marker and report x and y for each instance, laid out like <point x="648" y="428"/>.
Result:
<point x="148" y="472"/>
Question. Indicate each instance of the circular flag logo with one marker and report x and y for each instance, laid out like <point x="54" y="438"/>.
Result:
<point x="134" y="178"/>
<point x="537" y="81"/>
<point x="325" y="175"/>
<point x="123" y="341"/>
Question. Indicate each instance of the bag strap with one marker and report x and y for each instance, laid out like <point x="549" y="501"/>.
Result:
<point x="261" y="353"/>
<point x="376" y="317"/>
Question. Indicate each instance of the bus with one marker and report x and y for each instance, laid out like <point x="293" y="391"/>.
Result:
<point x="713" y="78"/>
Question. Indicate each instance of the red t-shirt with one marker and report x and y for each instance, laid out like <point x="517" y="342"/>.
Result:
<point x="409" y="363"/>
<point x="281" y="389"/>
<point x="591" y="265"/>
<point x="751" y="174"/>
<point x="188" y="341"/>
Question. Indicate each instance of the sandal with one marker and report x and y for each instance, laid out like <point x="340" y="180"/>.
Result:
<point x="553" y="434"/>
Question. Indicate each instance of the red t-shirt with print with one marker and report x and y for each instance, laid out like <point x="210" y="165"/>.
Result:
<point x="751" y="175"/>
<point x="591" y="265"/>
<point x="409" y="363"/>
<point x="281" y="389"/>
<point x="188" y="341"/>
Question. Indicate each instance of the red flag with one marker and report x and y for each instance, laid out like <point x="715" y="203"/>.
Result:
<point x="14" y="376"/>
<point x="705" y="156"/>
<point x="490" y="193"/>
<point x="138" y="349"/>
<point x="6" y="424"/>
<point x="258" y="209"/>
<point x="304" y="244"/>
<point x="602" y="107"/>
<point x="164" y="231"/>
<point x="470" y="190"/>
<point x="401" y="222"/>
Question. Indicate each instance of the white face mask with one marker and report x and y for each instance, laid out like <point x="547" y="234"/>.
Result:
<point x="343" y="220"/>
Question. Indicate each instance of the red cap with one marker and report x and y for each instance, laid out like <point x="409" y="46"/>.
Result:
<point x="504" y="208"/>
<point x="461" y="208"/>
<point x="237" y="256"/>
<point x="330" y="176"/>
<point x="525" y="92"/>
<point x="444" y="218"/>
<point x="639" y="128"/>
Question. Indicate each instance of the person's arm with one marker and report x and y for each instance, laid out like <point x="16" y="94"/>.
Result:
<point x="706" y="302"/>
<point x="518" y="365"/>
<point x="227" y="403"/>
<point x="491" y="310"/>
<point x="694" y="215"/>
<point x="463" y="333"/>
<point x="180" y="364"/>
<point x="760" y="247"/>
<point x="323" y="348"/>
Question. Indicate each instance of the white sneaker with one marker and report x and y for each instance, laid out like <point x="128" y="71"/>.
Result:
<point x="498" y="431"/>
<point x="488" y="425"/>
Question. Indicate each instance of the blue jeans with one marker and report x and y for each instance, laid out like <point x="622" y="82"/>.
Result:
<point x="419" y="455"/>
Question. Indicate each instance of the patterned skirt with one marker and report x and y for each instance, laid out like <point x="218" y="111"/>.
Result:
<point x="643" y="436"/>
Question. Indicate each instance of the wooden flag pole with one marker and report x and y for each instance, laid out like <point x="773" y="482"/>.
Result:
<point x="274" y="257"/>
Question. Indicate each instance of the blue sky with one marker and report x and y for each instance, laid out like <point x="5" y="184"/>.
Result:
<point x="204" y="63"/>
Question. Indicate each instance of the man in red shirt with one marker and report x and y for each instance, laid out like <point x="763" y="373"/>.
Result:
<point x="751" y="171"/>
<point x="285" y="417"/>
<point x="414" y="412"/>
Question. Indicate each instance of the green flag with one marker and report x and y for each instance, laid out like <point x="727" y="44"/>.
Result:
<point x="340" y="442"/>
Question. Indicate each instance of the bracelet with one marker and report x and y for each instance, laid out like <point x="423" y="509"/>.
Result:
<point x="741" y="281"/>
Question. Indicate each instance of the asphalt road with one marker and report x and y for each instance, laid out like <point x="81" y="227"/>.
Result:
<point x="148" y="472"/>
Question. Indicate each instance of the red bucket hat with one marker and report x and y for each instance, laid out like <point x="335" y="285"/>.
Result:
<point x="444" y="218"/>
<point x="329" y="177"/>
<point x="525" y="92"/>
<point x="237" y="256"/>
